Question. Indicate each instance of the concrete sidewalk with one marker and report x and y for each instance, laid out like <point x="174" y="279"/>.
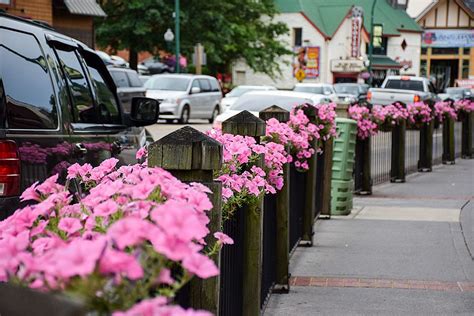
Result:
<point x="407" y="249"/>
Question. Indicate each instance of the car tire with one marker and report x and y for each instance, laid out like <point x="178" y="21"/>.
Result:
<point x="215" y="113"/>
<point x="169" y="121"/>
<point x="184" y="119"/>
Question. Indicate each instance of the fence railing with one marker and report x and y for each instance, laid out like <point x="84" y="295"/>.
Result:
<point x="438" y="145"/>
<point x="381" y="148"/>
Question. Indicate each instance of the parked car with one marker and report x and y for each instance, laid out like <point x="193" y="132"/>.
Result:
<point x="233" y="95"/>
<point x="256" y="101"/>
<point x="456" y="93"/>
<point x="109" y="61"/>
<point x="144" y="78"/>
<point x="155" y="66"/>
<point x="184" y="96"/>
<point x="404" y="89"/>
<point x="59" y="106"/>
<point x="317" y="88"/>
<point x="351" y="92"/>
<point x="128" y="85"/>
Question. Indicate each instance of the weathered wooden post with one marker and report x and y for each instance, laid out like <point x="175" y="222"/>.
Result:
<point x="192" y="156"/>
<point x="397" y="171"/>
<point x="246" y="124"/>
<point x="19" y="301"/>
<point x="323" y="179"/>
<point x="310" y="201"/>
<point x="282" y="211"/>
<point x="466" y="141"/>
<point x="425" y="162"/>
<point x="362" y="169"/>
<point x="448" y="142"/>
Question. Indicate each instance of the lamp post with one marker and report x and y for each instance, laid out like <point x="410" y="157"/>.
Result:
<point x="176" y="30"/>
<point x="169" y="37"/>
<point x="371" y="43"/>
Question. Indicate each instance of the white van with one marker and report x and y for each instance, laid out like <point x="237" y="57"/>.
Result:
<point x="184" y="96"/>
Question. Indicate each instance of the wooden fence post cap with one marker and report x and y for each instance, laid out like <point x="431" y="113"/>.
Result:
<point x="275" y="112"/>
<point x="186" y="149"/>
<point x="244" y="123"/>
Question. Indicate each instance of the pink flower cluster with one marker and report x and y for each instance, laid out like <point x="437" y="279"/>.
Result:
<point x="465" y="106"/>
<point x="158" y="307"/>
<point x="389" y="115"/>
<point x="419" y="113"/>
<point x="444" y="110"/>
<point x="121" y="227"/>
<point x="243" y="178"/>
<point x="326" y="120"/>
<point x="366" y="127"/>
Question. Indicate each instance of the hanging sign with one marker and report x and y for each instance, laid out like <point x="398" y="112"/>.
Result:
<point x="307" y="60"/>
<point x="448" y="38"/>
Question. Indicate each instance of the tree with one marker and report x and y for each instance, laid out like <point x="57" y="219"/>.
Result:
<point x="136" y="25"/>
<point x="229" y="30"/>
<point x="234" y="29"/>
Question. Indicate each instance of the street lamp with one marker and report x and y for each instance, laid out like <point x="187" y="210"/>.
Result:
<point x="371" y="43"/>
<point x="169" y="37"/>
<point x="177" y="31"/>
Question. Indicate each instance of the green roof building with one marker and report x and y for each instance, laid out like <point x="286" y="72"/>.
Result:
<point x="330" y="40"/>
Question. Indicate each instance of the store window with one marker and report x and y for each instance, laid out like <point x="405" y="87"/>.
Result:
<point x="445" y="50"/>
<point x="465" y="50"/>
<point x="465" y="68"/>
<point x="424" y="50"/>
<point x="423" y="68"/>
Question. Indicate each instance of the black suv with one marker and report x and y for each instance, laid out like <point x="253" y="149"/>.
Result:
<point x="58" y="106"/>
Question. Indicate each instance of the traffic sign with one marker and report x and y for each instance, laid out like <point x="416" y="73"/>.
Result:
<point x="300" y="75"/>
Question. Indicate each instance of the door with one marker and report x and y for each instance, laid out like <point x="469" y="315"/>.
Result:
<point x="196" y="100"/>
<point x="29" y="111"/>
<point x="445" y="73"/>
<point x="207" y="98"/>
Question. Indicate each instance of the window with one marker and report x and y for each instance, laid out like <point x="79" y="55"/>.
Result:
<point x="7" y="3"/>
<point x="297" y="36"/>
<point x="205" y="85"/>
<point x="381" y="48"/>
<point x="444" y="50"/>
<point x="108" y="108"/>
<point x="424" y="50"/>
<point x="423" y="68"/>
<point x="327" y="90"/>
<point x="195" y="84"/>
<point x="405" y="85"/>
<point x="30" y="99"/>
<point x="120" y="79"/>
<point x="82" y="101"/>
<point x="215" y="85"/>
<point x="309" y="89"/>
<point x="167" y="83"/>
<point x="466" y="50"/>
<point x="134" y="79"/>
<point x="465" y="69"/>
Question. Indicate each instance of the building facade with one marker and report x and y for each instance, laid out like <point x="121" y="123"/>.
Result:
<point x="447" y="49"/>
<point x="70" y="17"/>
<point x="330" y="40"/>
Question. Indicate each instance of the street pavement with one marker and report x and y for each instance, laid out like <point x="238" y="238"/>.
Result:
<point x="406" y="250"/>
<point x="161" y="129"/>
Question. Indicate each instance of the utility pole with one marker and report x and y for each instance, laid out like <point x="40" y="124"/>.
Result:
<point x="176" y="31"/>
<point x="371" y="43"/>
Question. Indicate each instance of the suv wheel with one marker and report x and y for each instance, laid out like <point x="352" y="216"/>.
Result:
<point x="215" y="113"/>
<point x="184" y="119"/>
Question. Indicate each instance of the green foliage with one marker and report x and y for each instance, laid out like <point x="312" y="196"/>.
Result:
<point x="229" y="30"/>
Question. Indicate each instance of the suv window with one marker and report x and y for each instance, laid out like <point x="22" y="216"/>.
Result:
<point x="120" y="79"/>
<point x="30" y="100"/>
<point x="214" y="85"/>
<point x="205" y="85"/>
<point x="108" y="107"/>
<point x="134" y="79"/>
<point x="83" y="104"/>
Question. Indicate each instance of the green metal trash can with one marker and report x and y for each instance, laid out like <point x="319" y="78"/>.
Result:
<point x="342" y="184"/>
<point x="344" y="149"/>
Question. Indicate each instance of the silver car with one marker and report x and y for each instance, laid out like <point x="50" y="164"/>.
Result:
<point x="128" y="85"/>
<point x="185" y="96"/>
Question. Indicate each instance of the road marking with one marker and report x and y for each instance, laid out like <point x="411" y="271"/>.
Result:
<point x="313" y="281"/>
<point x="397" y="213"/>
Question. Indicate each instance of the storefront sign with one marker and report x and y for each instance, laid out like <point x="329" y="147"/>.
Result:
<point x="307" y="60"/>
<point x="448" y="38"/>
<point x="351" y="65"/>
<point x="356" y="28"/>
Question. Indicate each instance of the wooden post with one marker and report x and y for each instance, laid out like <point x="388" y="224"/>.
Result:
<point x="192" y="156"/>
<point x="282" y="211"/>
<point x="362" y="170"/>
<point x="246" y="124"/>
<point x="466" y="141"/>
<point x="448" y="142"/>
<point x="425" y="162"/>
<point x="397" y="171"/>
<point x="324" y="177"/>
<point x="310" y="201"/>
<point x="19" y="301"/>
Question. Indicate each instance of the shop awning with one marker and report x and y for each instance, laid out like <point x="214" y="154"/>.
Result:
<point x="84" y="7"/>
<point x="384" y="62"/>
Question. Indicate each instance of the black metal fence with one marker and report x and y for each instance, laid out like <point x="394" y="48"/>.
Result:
<point x="297" y="205"/>
<point x="231" y="295"/>
<point x="269" y="248"/>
